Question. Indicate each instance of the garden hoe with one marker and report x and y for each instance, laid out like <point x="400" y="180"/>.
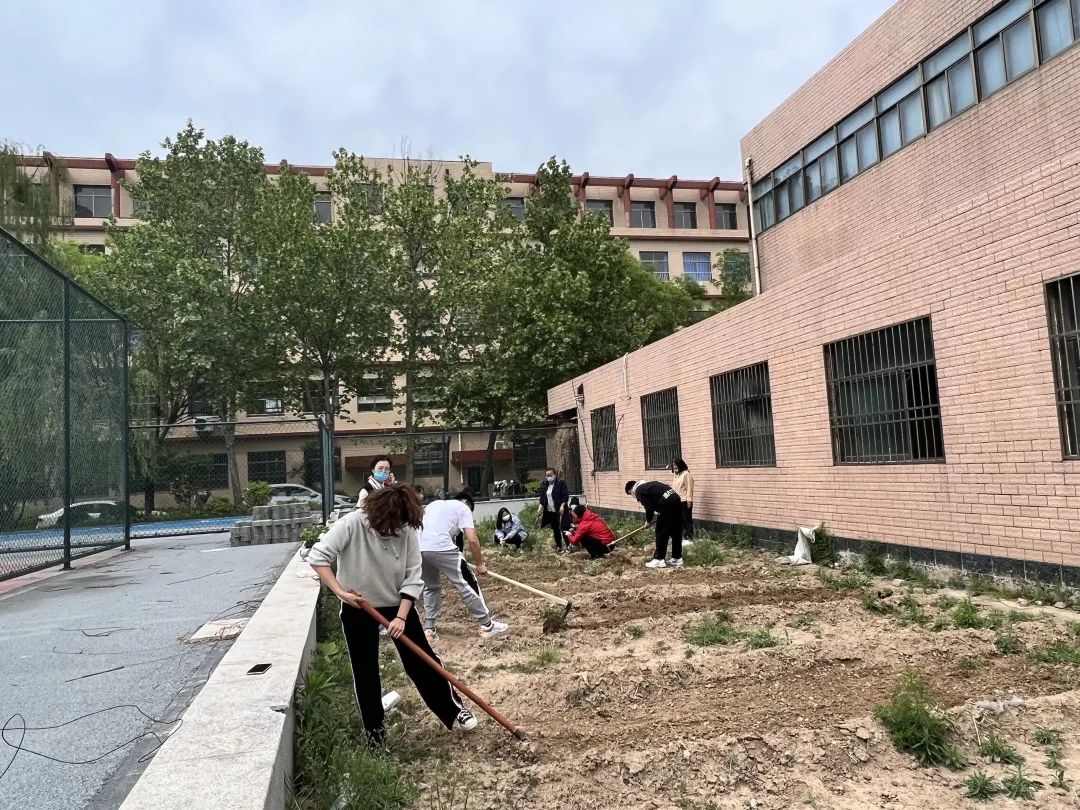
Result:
<point x="631" y="534"/>
<point x="551" y="623"/>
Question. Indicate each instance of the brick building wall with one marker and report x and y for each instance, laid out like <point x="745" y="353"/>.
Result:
<point x="965" y="226"/>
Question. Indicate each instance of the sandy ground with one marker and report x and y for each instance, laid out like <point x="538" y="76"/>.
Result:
<point x="622" y="712"/>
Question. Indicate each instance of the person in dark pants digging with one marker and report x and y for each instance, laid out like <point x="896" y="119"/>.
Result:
<point x="661" y="501"/>
<point x="554" y="497"/>
<point x="377" y="552"/>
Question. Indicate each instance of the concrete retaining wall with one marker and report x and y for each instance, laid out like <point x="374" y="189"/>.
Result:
<point x="234" y="750"/>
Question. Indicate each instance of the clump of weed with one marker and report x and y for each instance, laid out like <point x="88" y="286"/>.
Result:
<point x="981" y="787"/>
<point x="760" y="639"/>
<point x="800" y="623"/>
<point x="1019" y="786"/>
<point x="902" y="569"/>
<point x="705" y="552"/>
<point x="1073" y="628"/>
<point x="715" y="630"/>
<point x="848" y="581"/>
<point x="969" y="664"/>
<point x="1008" y="643"/>
<point x="941" y="623"/>
<point x="996" y="749"/>
<point x="636" y="631"/>
<point x="918" y="726"/>
<point x="1019" y="616"/>
<point x="873" y="560"/>
<point x="956" y="581"/>
<point x="1047" y="736"/>
<point x="1060" y="652"/>
<point x="824" y="547"/>
<point x="966" y="616"/>
<point x="742" y="538"/>
<point x="978" y="585"/>
<point x="871" y="602"/>
<point x="548" y="654"/>
<point x="946" y="602"/>
<point x="911" y="612"/>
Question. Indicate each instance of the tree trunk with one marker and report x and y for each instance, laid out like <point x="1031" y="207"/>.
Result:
<point x="410" y="419"/>
<point x="489" y="464"/>
<point x="229" y="431"/>
<point x="149" y="493"/>
<point x="330" y="420"/>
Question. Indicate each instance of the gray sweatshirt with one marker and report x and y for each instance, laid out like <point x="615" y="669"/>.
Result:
<point x="382" y="569"/>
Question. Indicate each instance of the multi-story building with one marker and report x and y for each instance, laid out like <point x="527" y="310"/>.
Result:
<point x="676" y="227"/>
<point x="908" y="370"/>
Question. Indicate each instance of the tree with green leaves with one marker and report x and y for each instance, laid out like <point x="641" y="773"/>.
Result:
<point x="32" y="207"/>
<point x="733" y="270"/>
<point x="187" y="278"/>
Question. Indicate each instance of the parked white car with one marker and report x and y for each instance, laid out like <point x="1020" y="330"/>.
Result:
<point x="291" y="493"/>
<point x="83" y="512"/>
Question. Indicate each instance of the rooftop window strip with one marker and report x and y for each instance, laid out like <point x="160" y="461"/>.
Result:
<point x="1008" y="42"/>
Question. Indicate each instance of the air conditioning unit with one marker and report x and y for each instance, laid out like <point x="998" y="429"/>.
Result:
<point x="502" y="444"/>
<point x="206" y="425"/>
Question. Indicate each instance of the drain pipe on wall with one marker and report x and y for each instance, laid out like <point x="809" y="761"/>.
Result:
<point x="755" y="261"/>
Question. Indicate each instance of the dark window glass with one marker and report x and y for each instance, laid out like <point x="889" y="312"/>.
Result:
<point x="726" y="217"/>
<point x="742" y="418"/>
<point x="697" y="266"/>
<point x="602" y="207"/>
<point x="685" y="215"/>
<point x="642" y="214"/>
<point x="515" y="207"/>
<point x="530" y="453"/>
<point x="656" y="261"/>
<point x="660" y="428"/>
<point x="605" y="439"/>
<point x="268" y="466"/>
<point x="1062" y="308"/>
<point x="883" y="396"/>
<point x="323" y="209"/>
<point x="429" y="459"/>
<point x="93" y="201"/>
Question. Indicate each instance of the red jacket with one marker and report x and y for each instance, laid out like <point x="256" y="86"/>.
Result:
<point x="592" y="525"/>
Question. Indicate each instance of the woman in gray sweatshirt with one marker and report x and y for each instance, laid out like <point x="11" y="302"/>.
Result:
<point x="377" y="553"/>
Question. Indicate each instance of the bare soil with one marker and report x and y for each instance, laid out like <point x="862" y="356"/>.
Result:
<point x="622" y="712"/>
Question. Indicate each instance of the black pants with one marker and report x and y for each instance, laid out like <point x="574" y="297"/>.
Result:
<point x="595" y="548"/>
<point x="669" y="525"/>
<point x="514" y="540"/>
<point x="556" y="529"/>
<point x="688" y="519"/>
<point x="362" y="636"/>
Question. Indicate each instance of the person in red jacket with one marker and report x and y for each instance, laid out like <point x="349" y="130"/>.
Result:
<point x="590" y="532"/>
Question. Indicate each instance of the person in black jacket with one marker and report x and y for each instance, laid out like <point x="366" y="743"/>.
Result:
<point x="553" y="507"/>
<point x="660" y="500"/>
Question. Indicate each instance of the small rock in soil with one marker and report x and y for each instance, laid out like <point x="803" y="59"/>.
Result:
<point x="1060" y="605"/>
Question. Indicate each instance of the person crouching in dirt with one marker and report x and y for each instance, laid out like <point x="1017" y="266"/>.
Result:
<point x="661" y="501"/>
<point x="377" y="552"/>
<point x="508" y="529"/>
<point x="590" y="532"/>
<point x="443" y="521"/>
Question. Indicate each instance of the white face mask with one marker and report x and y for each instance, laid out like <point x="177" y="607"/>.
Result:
<point x="551" y="479"/>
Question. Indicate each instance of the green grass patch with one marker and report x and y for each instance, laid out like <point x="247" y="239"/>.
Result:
<point x="1019" y="786"/>
<point x="760" y="639"/>
<point x="636" y="631"/>
<point x="847" y="581"/>
<point x="1047" y="736"/>
<point x="946" y="602"/>
<point x="1008" y="643"/>
<point x="872" y="559"/>
<point x="1001" y="751"/>
<point x="715" y="629"/>
<point x="1073" y="628"/>
<point x="969" y="664"/>
<point x="981" y="787"/>
<point x="871" y="602"/>
<point x="1060" y="652"/>
<point x="801" y="623"/>
<point x="966" y="616"/>
<point x="705" y="552"/>
<point x="919" y="727"/>
<point x="910" y="611"/>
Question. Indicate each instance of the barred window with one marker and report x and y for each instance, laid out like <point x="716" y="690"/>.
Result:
<point x="268" y="466"/>
<point x="530" y="453"/>
<point x="1062" y="308"/>
<point x="429" y="459"/>
<point x="742" y="417"/>
<point x="660" y="428"/>
<point x="605" y="439"/>
<point x="883" y="396"/>
<point x="218" y="477"/>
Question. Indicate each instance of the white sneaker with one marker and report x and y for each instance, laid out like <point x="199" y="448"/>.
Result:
<point x="656" y="564"/>
<point x="494" y="629"/>
<point x="466" y="720"/>
<point x="431" y="635"/>
<point x="675" y="563"/>
<point x="686" y="543"/>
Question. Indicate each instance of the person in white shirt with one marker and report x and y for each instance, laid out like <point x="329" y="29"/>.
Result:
<point x="443" y="520"/>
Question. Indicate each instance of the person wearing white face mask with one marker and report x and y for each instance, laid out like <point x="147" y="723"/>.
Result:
<point x="553" y="511"/>
<point x="381" y="476"/>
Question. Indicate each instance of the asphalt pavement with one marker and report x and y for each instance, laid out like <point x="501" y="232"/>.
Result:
<point x="93" y="663"/>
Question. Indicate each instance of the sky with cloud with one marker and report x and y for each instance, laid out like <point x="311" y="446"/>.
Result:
<point x="653" y="88"/>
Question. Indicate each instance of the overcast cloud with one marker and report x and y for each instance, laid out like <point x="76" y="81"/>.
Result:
<point x="654" y="88"/>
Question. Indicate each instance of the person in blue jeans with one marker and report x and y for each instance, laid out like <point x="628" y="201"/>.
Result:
<point x="553" y="509"/>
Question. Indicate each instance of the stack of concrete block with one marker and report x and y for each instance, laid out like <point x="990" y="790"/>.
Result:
<point x="280" y="523"/>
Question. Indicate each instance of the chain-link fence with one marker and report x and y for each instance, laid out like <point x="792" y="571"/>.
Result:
<point x="186" y="479"/>
<point x="63" y="390"/>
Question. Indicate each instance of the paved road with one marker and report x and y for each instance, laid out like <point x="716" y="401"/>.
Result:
<point x="106" y="635"/>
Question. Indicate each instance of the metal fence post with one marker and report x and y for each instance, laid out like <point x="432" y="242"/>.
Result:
<point x="326" y="442"/>
<point x="67" y="424"/>
<point x="126" y="442"/>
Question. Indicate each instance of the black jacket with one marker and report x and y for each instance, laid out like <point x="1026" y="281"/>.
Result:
<point x="656" y="497"/>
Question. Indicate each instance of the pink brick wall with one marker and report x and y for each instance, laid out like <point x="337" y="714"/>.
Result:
<point x="965" y="226"/>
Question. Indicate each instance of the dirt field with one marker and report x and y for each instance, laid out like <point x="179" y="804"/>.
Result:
<point x="623" y="712"/>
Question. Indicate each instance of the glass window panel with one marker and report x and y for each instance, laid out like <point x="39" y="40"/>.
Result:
<point x="866" y="138"/>
<point x="849" y="159"/>
<point x="890" y="132"/>
<point x="945" y="57"/>
<point x="991" y="66"/>
<point x="911" y="114"/>
<point x="813" y="182"/>
<point x="862" y="116"/>
<point x="766" y="216"/>
<point x="1076" y="17"/>
<point x="763" y="185"/>
<point x="796" y="191"/>
<point x="961" y="86"/>
<point x="830" y="178"/>
<point x="1019" y="48"/>
<point x="1055" y="27"/>
<point x="898" y="90"/>
<point x="820" y="146"/>
<point x="782" y="207"/>
<point x="997" y="20"/>
<point x="787" y="169"/>
<point x="937" y="101"/>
